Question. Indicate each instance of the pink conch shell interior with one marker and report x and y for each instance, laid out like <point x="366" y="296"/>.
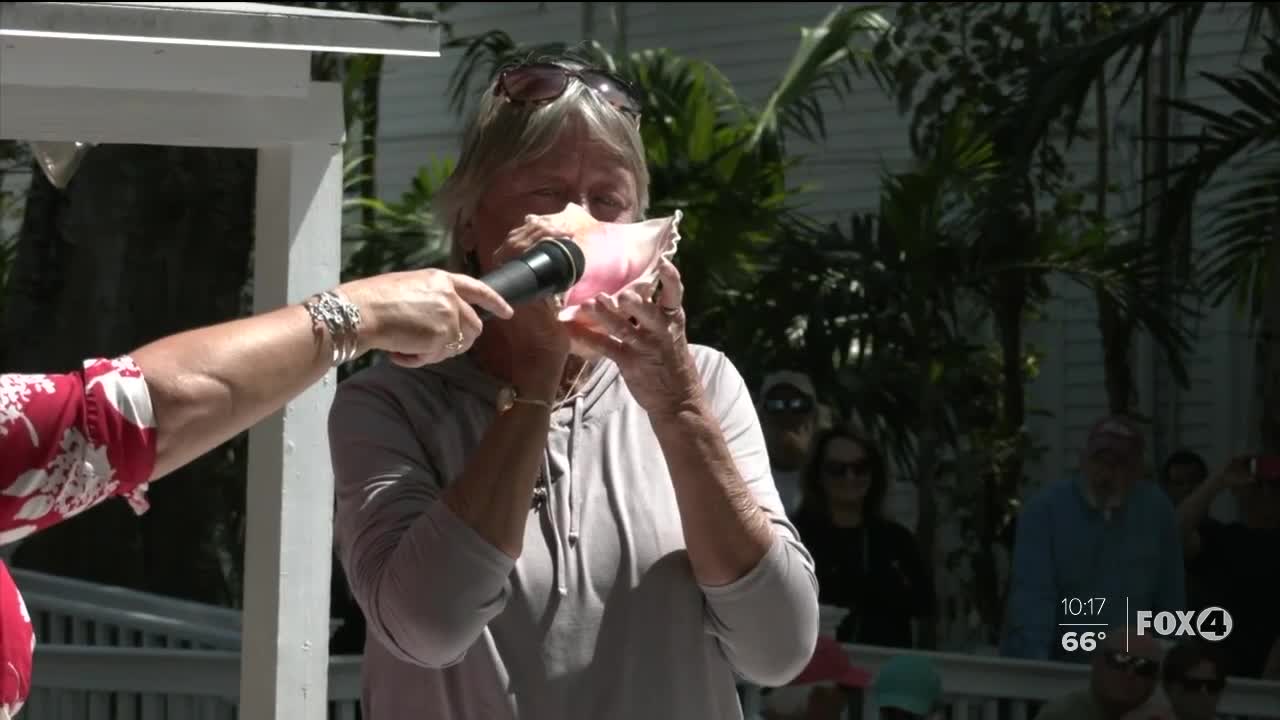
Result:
<point x="618" y="255"/>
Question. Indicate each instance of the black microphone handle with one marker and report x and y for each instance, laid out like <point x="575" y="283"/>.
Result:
<point x="516" y="282"/>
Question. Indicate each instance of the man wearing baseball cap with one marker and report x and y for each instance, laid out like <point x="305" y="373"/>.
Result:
<point x="908" y="687"/>
<point x="788" y="409"/>
<point x="1106" y="536"/>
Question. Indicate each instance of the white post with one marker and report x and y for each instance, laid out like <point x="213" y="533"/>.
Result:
<point x="288" y="543"/>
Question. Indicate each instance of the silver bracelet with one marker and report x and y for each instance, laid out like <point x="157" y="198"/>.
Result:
<point x="340" y="318"/>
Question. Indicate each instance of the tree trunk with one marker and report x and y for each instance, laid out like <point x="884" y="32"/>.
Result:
<point x="145" y="242"/>
<point x="1116" y="333"/>
<point x="1269" y="349"/>
<point x="926" y="490"/>
<point x="1003" y="485"/>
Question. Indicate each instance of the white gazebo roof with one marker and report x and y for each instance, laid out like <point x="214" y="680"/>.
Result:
<point x="230" y="24"/>
<point x="231" y="75"/>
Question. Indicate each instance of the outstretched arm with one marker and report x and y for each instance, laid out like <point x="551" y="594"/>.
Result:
<point x="210" y="384"/>
<point x="72" y="440"/>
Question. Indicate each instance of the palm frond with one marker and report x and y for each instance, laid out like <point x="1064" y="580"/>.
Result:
<point x="1244" y="231"/>
<point x="1241" y="226"/>
<point x="1261" y="14"/>
<point x="828" y="58"/>
<point x="1060" y="87"/>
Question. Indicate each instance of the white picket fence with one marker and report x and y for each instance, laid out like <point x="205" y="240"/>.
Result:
<point x="112" y="654"/>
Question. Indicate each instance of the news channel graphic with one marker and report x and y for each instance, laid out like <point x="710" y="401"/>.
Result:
<point x="1087" y="622"/>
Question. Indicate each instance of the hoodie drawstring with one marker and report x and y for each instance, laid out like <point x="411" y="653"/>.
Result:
<point x="559" y="559"/>
<point x="560" y="554"/>
<point x="575" y="427"/>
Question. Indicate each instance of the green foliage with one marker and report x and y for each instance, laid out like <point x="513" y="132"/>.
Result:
<point x="399" y="235"/>
<point x="883" y="302"/>
<point x="1242" y="227"/>
<point x="1061" y="85"/>
<point x="829" y="57"/>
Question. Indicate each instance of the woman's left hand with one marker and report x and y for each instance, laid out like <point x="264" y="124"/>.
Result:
<point x="646" y="338"/>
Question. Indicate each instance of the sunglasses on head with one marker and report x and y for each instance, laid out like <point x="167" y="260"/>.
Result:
<point x="795" y="405"/>
<point x="544" y="82"/>
<point x="1212" y="686"/>
<point x="1120" y="660"/>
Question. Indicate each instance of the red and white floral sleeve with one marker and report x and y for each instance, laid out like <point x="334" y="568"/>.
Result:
<point x="71" y="441"/>
<point x="67" y="442"/>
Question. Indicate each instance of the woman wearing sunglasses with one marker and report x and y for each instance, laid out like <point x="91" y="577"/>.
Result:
<point x="564" y="524"/>
<point x="865" y="562"/>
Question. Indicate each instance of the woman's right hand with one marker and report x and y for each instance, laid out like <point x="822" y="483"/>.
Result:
<point x="533" y="343"/>
<point x="422" y="317"/>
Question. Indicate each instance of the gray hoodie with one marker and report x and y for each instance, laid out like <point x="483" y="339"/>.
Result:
<point x="600" y="618"/>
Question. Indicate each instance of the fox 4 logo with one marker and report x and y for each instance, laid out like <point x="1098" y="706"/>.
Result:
<point x="1212" y="623"/>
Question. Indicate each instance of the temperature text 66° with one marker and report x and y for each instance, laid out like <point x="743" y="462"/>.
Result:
<point x="1086" y="641"/>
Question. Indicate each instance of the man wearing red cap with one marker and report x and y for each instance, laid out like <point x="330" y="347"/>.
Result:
<point x="1088" y="546"/>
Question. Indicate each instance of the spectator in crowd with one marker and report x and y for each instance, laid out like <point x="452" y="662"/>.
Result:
<point x="908" y="687"/>
<point x="789" y="416"/>
<point x="1122" y="678"/>
<point x="1195" y="675"/>
<point x="1184" y="471"/>
<point x="865" y="563"/>
<point x="1101" y="538"/>
<point x="1241" y="561"/>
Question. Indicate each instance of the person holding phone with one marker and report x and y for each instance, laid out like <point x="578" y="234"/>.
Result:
<point x="1242" y="558"/>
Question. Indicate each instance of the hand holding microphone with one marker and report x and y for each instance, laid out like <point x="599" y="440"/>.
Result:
<point x="551" y="266"/>
<point x="422" y="317"/>
<point x="426" y="316"/>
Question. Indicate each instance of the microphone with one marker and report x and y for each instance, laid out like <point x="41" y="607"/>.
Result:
<point x="551" y="266"/>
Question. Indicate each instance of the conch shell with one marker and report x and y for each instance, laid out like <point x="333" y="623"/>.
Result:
<point x="618" y="255"/>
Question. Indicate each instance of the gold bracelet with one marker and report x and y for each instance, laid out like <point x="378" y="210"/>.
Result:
<point x="508" y="396"/>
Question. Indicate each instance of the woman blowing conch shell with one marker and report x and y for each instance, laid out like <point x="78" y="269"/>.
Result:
<point x="580" y="510"/>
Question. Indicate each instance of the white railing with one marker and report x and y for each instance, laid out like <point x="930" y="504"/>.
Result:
<point x="74" y="683"/>
<point x="116" y="654"/>
<point x="976" y="686"/>
<point x="61" y="621"/>
<point x="102" y="683"/>
<point x="109" y="596"/>
<point x="75" y="612"/>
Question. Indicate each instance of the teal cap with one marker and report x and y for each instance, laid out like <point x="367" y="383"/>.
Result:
<point x="908" y="682"/>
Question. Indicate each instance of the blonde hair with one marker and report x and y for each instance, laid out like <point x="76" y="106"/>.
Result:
<point x="502" y="135"/>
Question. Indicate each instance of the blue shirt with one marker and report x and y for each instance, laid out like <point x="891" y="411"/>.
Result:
<point x="1066" y="549"/>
